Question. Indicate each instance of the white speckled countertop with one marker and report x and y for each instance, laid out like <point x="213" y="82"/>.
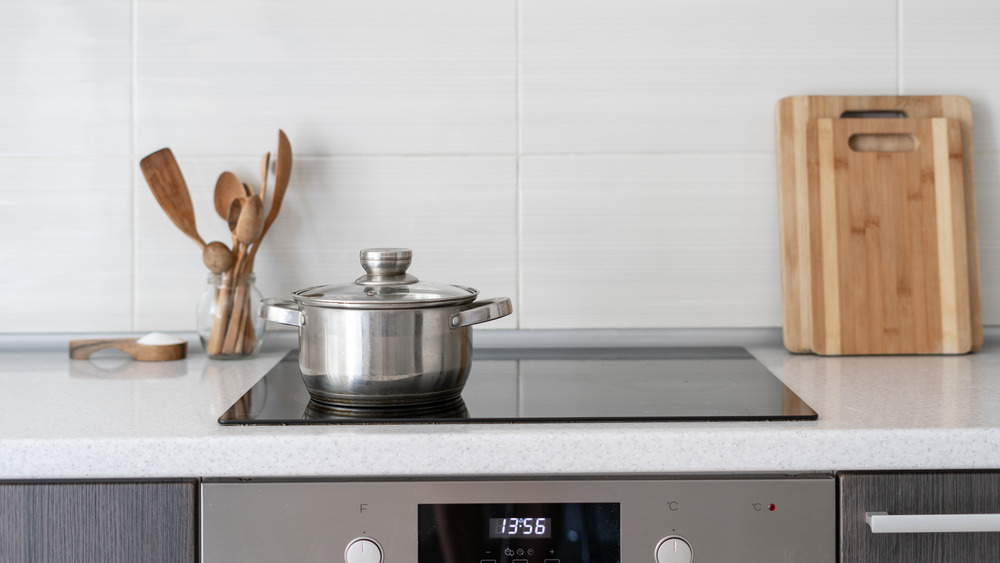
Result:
<point x="113" y="418"/>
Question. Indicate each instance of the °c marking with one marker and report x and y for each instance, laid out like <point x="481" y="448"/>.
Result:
<point x="673" y="506"/>
<point x="758" y="507"/>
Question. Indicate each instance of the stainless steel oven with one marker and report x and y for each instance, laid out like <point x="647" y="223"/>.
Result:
<point x="621" y="519"/>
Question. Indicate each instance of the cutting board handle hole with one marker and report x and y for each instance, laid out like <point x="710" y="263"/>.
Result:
<point x="882" y="142"/>
<point x="873" y="114"/>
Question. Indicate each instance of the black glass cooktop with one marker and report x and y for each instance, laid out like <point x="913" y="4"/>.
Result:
<point x="559" y="385"/>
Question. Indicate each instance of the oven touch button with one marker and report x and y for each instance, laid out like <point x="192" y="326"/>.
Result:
<point x="363" y="550"/>
<point x="674" y="549"/>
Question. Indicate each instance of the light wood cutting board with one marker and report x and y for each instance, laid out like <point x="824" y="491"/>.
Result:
<point x="792" y="117"/>
<point x="888" y="237"/>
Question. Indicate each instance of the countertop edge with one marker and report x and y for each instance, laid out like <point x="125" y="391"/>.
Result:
<point x="525" y="450"/>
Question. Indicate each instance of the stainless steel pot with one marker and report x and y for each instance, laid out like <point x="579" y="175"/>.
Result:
<point x="387" y="338"/>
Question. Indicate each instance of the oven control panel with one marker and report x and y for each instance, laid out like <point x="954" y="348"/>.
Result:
<point x="566" y="520"/>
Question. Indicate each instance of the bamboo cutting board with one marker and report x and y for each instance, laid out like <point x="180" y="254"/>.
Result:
<point x="888" y="237"/>
<point x="792" y="117"/>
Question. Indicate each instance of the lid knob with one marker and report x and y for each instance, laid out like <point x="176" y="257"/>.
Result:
<point x="386" y="261"/>
<point x="386" y="266"/>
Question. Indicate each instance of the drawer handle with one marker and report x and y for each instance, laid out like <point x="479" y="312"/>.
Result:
<point x="885" y="523"/>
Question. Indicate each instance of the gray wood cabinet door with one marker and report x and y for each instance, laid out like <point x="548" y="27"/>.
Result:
<point x="913" y="493"/>
<point x="98" y="522"/>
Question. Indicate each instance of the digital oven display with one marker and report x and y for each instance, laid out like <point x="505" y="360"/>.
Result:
<point x="567" y="532"/>
<point x="515" y="527"/>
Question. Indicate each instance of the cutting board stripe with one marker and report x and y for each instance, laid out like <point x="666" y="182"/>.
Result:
<point x="803" y="274"/>
<point x="945" y="242"/>
<point x="952" y="250"/>
<point x="828" y="230"/>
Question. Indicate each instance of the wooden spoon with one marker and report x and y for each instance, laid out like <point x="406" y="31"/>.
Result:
<point x="232" y="217"/>
<point x="167" y="184"/>
<point x="235" y="208"/>
<point x="250" y="223"/>
<point x="83" y="349"/>
<point x="217" y="257"/>
<point x="227" y="188"/>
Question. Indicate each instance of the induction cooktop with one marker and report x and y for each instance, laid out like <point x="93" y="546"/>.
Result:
<point x="649" y="384"/>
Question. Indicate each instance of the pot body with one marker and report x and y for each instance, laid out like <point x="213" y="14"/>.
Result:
<point x="384" y="357"/>
<point x="381" y="358"/>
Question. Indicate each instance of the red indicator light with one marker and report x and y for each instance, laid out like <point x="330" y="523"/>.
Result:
<point x="772" y="507"/>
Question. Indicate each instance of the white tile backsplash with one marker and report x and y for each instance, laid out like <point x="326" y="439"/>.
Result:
<point x="649" y="241"/>
<point x="605" y="164"/>
<point x="65" y="77"/>
<point x="344" y="77"/>
<point x="66" y="255"/>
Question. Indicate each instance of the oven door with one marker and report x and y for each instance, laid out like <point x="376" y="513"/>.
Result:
<point x="889" y="517"/>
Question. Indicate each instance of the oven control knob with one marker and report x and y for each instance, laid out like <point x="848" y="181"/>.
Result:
<point x="674" y="549"/>
<point x="363" y="550"/>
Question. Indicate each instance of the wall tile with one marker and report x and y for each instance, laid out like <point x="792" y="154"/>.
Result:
<point x="649" y="241"/>
<point x="457" y="214"/>
<point x="67" y="77"/>
<point x="67" y="251"/>
<point x="954" y="48"/>
<point x="341" y="77"/>
<point x="641" y="76"/>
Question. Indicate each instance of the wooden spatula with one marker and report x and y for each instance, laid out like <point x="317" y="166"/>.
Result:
<point x="167" y="184"/>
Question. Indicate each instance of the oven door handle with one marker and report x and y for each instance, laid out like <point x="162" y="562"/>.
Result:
<point x="885" y="523"/>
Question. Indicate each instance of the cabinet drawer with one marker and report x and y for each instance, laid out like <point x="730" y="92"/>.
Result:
<point x="919" y="493"/>
<point x="100" y="522"/>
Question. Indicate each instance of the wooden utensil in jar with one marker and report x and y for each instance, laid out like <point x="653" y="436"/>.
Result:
<point x="249" y="226"/>
<point x="167" y="184"/>
<point x="227" y="188"/>
<point x="282" y="173"/>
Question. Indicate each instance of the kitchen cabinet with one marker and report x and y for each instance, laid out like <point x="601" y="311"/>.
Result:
<point x="918" y="493"/>
<point x="149" y="521"/>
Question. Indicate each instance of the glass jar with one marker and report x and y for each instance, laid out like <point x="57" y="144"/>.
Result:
<point x="228" y="324"/>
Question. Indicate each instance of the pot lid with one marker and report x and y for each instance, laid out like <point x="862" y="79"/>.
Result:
<point x="386" y="285"/>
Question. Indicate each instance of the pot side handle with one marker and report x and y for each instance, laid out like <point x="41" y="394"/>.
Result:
<point x="482" y="311"/>
<point x="281" y="311"/>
